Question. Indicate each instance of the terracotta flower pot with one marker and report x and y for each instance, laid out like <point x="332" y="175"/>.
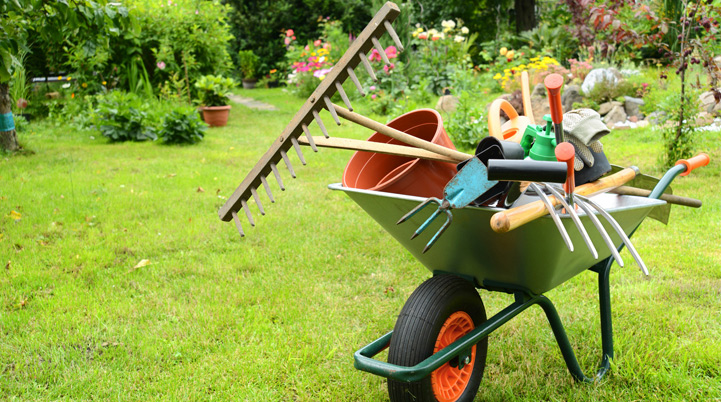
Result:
<point x="403" y="175"/>
<point x="249" y="83"/>
<point x="215" y="116"/>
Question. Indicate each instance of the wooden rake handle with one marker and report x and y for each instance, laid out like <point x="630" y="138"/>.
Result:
<point x="505" y="221"/>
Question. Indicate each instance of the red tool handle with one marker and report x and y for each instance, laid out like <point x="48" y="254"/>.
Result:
<point x="697" y="161"/>
<point x="553" y="83"/>
<point x="566" y="153"/>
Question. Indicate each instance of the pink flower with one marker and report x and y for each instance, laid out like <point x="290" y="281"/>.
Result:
<point x="289" y="33"/>
<point x="326" y="46"/>
<point x="307" y="47"/>
<point x="321" y="73"/>
<point x="287" y="41"/>
<point x="375" y="56"/>
<point x="391" y="52"/>
<point x="423" y="36"/>
<point x="196" y="12"/>
<point x="161" y="65"/>
<point x="372" y="88"/>
<point x="293" y="37"/>
<point x="388" y="69"/>
<point x="317" y="42"/>
<point x="373" y="96"/>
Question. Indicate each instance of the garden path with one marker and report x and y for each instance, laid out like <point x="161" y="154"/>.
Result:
<point x="252" y="103"/>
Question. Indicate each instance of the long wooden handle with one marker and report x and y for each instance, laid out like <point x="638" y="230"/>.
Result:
<point x="377" y="147"/>
<point x="670" y="198"/>
<point x="400" y="136"/>
<point x="505" y="221"/>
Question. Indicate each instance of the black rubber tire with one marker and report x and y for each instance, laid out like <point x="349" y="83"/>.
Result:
<point x="418" y="326"/>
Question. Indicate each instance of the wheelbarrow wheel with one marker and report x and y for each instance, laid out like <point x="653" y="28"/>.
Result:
<point x="441" y="310"/>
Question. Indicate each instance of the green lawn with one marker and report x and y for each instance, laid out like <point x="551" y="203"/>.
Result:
<point x="277" y="315"/>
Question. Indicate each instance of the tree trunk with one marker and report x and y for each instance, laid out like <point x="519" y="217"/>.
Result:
<point x="525" y="15"/>
<point x="8" y="139"/>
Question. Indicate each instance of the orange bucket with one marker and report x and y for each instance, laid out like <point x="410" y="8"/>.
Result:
<point x="399" y="174"/>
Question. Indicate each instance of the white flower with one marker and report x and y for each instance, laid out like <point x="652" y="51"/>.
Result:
<point x="433" y="32"/>
<point x="459" y="38"/>
<point x="418" y="24"/>
<point x="439" y="35"/>
<point x="464" y="30"/>
<point x="66" y="85"/>
<point x="450" y="24"/>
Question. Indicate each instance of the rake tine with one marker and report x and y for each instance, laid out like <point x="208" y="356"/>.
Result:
<point x="343" y="96"/>
<point x="331" y="109"/>
<point x="287" y="163"/>
<point x="418" y="208"/>
<point x="320" y="124"/>
<point x="367" y="65"/>
<point x="277" y="176"/>
<point x="237" y="223"/>
<point x="353" y="78"/>
<point x="310" y="138"/>
<point x="601" y="230"/>
<point x="620" y="232"/>
<point x="297" y="150"/>
<point x="380" y="50"/>
<point x="393" y="35"/>
<point x="440" y="231"/>
<point x="247" y="212"/>
<point x="554" y="215"/>
<point x="425" y="224"/>
<point x="576" y="220"/>
<point x="267" y="188"/>
<point x="257" y="200"/>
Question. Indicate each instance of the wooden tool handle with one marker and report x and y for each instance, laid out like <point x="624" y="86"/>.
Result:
<point x="400" y="136"/>
<point x="670" y="198"/>
<point x="505" y="221"/>
<point x="377" y="147"/>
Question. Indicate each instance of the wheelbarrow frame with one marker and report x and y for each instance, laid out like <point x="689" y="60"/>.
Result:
<point x="461" y="348"/>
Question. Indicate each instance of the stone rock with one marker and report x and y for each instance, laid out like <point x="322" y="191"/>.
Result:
<point x="708" y="103"/>
<point x="633" y="105"/>
<point x="53" y="95"/>
<point x="598" y="75"/>
<point x="617" y="114"/>
<point x="447" y="103"/>
<point x="571" y="94"/>
<point x="539" y="104"/>
<point x="656" y="118"/>
<point x="704" y="119"/>
<point x="633" y="119"/>
<point x="604" y="108"/>
<point x="642" y="123"/>
<point x="539" y="90"/>
<point x="621" y="125"/>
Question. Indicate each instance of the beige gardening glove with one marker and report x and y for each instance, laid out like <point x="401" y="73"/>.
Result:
<point x="583" y="128"/>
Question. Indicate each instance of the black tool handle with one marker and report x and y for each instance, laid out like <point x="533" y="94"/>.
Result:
<point x="526" y="170"/>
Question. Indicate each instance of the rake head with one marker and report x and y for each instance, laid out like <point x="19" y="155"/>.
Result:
<point x="309" y="112"/>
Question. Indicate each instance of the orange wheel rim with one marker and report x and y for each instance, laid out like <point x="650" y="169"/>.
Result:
<point x="449" y="382"/>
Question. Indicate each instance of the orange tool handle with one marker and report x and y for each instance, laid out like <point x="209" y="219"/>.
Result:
<point x="510" y="219"/>
<point x="566" y="153"/>
<point x="697" y="161"/>
<point x="553" y="83"/>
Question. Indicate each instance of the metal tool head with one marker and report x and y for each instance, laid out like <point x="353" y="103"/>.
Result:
<point x="470" y="183"/>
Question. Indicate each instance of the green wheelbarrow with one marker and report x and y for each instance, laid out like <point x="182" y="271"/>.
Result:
<point x="437" y="348"/>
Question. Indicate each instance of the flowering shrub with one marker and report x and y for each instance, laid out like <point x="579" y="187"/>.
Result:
<point x="310" y="64"/>
<point x="580" y="69"/>
<point x="538" y="68"/>
<point x="439" y="53"/>
<point x="392" y="84"/>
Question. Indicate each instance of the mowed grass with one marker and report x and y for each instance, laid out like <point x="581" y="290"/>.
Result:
<point x="277" y="315"/>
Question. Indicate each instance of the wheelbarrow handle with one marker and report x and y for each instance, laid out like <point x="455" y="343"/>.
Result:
<point x="505" y="221"/>
<point x="697" y="161"/>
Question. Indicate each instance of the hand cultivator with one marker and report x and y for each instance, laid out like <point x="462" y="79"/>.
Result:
<point x="437" y="349"/>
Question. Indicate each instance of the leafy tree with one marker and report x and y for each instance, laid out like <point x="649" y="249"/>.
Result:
<point x="82" y="27"/>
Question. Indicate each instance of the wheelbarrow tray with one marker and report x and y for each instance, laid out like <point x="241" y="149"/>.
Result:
<point x="532" y="259"/>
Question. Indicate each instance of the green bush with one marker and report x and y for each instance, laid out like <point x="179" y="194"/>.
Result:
<point x="468" y="124"/>
<point x="124" y="116"/>
<point x="248" y="63"/>
<point x="182" y="126"/>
